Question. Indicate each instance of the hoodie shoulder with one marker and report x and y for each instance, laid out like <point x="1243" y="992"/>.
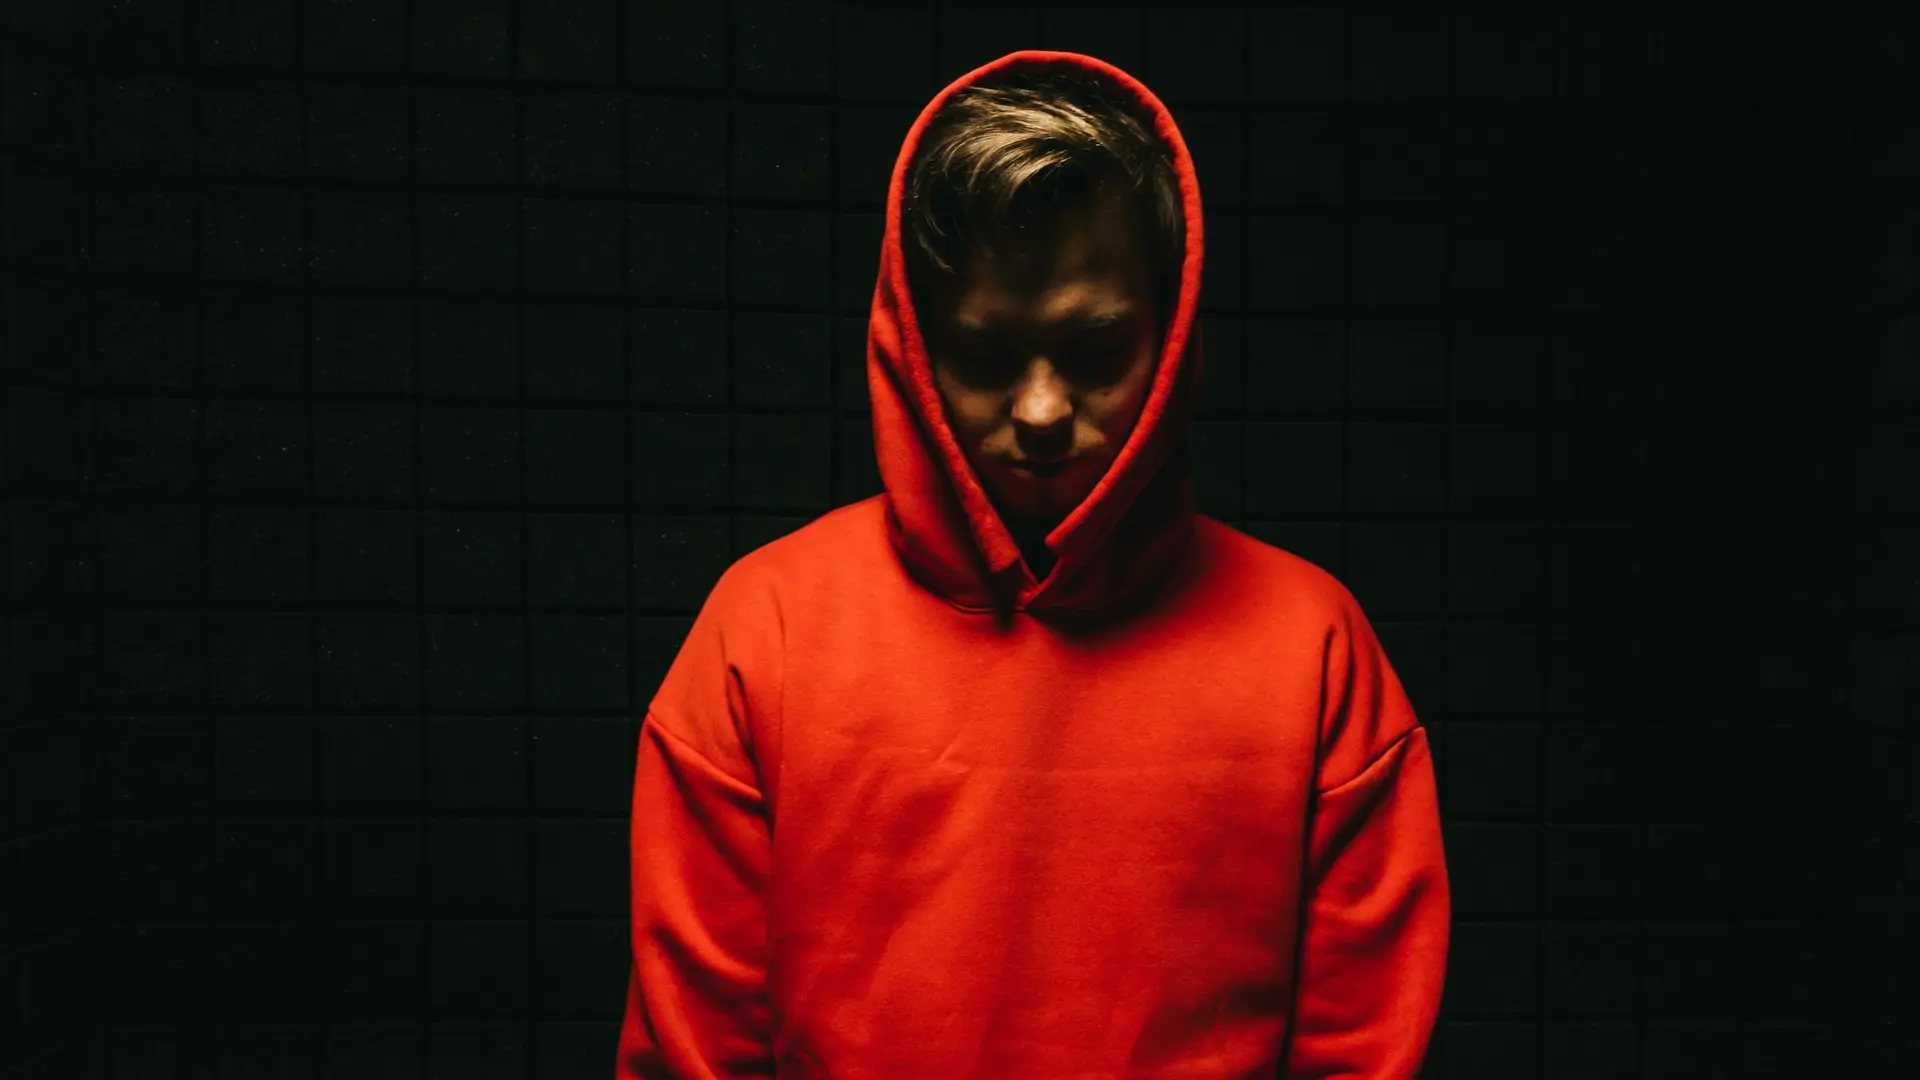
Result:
<point x="1367" y="709"/>
<point x="850" y="538"/>
<point x="1274" y="574"/>
<point x="742" y="624"/>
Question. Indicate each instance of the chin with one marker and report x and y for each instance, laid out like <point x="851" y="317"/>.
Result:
<point x="1042" y="512"/>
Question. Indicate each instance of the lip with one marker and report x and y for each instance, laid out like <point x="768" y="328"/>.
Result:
<point x="1045" y="468"/>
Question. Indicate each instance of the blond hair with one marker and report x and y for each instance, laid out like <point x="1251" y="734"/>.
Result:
<point x="1010" y="153"/>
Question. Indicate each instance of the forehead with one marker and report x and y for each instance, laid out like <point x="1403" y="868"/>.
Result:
<point x="1095" y="237"/>
<point x="1090" y="254"/>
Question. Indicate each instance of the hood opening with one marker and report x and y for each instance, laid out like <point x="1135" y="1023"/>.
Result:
<point x="1118" y="541"/>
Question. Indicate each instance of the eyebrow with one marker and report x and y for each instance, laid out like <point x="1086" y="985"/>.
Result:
<point x="1083" y="322"/>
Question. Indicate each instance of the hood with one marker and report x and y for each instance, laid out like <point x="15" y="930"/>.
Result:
<point x="1117" y="544"/>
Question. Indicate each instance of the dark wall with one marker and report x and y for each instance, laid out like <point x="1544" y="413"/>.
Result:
<point x="53" y="952"/>
<point x="1881" y="770"/>
<point x="388" y="382"/>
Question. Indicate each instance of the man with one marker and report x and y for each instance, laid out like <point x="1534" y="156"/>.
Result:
<point x="1023" y="769"/>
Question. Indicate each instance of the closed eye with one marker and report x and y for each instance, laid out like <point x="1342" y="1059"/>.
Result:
<point x="989" y="363"/>
<point x="1099" y="358"/>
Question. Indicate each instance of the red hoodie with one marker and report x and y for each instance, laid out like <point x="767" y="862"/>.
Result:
<point x="902" y="812"/>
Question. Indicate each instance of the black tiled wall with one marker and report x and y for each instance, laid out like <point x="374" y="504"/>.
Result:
<point x="387" y="381"/>
<point x="1882" y="740"/>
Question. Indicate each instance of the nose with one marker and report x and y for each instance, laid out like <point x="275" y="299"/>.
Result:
<point x="1042" y="403"/>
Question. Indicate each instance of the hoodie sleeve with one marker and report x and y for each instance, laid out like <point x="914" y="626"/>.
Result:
<point x="701" y="851"/>
<point x="1373" y="947"/>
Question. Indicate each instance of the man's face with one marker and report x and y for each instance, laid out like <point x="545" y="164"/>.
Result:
<point x="1043" y="354"/>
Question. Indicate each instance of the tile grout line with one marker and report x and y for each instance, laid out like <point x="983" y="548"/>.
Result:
<point x="303" y="248"/>
<point x="529" y="891"/>
<point x="197" y="127"/>
<point x="423" y="725"/>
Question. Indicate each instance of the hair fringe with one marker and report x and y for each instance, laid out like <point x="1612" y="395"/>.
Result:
<point x="1012" y="152"/>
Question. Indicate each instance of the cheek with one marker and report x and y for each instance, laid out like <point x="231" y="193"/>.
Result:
<point x="971" y="414"/>
<point x="1115" y="409"/>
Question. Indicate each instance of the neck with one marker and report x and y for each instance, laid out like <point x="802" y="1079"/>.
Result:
<point x="1032" y="539"/>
